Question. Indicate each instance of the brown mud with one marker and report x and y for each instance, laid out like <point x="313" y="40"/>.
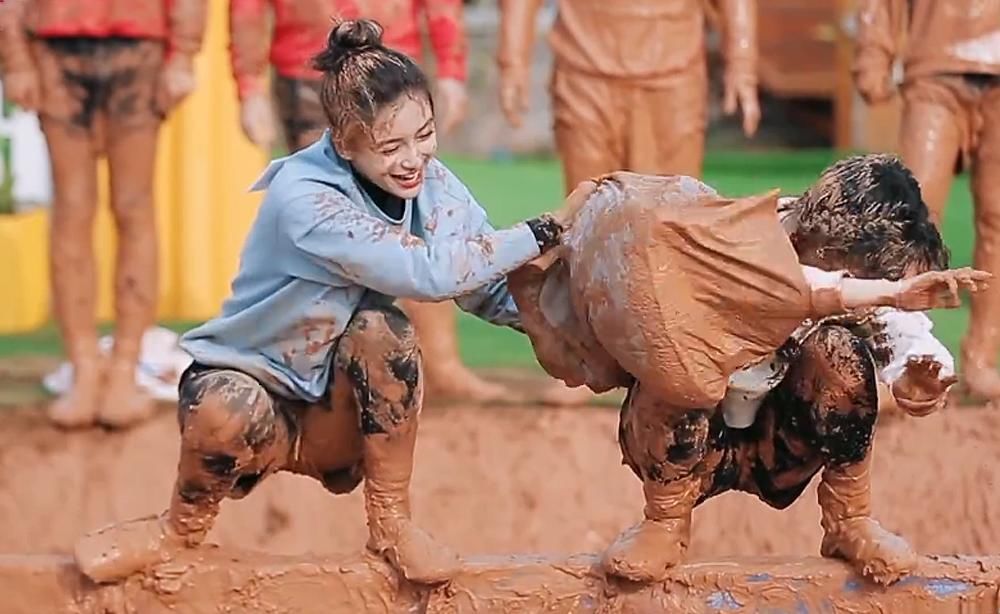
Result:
<point x="495" y="480"/>
<point x="233" y="581"/>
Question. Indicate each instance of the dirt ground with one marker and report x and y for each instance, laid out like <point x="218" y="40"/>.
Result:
<point x="494" y="480"/>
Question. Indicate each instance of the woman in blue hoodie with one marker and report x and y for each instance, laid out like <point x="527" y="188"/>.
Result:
<point x="310" y="367"/>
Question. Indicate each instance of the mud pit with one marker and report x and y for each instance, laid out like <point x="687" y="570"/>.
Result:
<point x="495" y="480"/>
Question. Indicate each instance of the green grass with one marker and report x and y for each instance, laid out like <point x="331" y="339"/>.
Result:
<point x="516" y="189"/>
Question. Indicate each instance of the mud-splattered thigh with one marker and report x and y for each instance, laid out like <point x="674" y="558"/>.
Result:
<point x="380" y="357"/>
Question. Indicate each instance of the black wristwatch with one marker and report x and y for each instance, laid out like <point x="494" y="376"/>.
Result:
<point x="547" y="231"/>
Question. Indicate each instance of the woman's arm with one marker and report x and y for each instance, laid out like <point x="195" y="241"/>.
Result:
<point x="348" y="242"/>
<point x="494" y="303"/>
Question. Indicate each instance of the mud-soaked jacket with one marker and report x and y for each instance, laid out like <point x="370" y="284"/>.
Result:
<point x="320" y="244"/>
<point x="299" y="31"/>
<point x="180" y="24"/>
<point x="944" y="36"/>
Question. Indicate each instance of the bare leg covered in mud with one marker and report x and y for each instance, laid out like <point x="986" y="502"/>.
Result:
<point x="981" y="344"/>
<point x="937" y="111"/>
<point x="73" y="269"/>
<point x="234" y="433"/>
<point x="131" y="158"/>
<point x="664" y="447"/>
<point x="835" y="379"/>
<point x="821" y="417"/>
<point x="99" y="96"/>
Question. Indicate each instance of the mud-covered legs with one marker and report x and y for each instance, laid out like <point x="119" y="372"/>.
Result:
<point x="234" y="433"/>
<point x="380" y="356"/>
<point x="822" y="416"/>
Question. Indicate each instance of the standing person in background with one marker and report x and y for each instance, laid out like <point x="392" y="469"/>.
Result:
<point x="630" y="80"/>
<point x="102" y="76"/>
<point x="287" y="34"/>
<point x="629" y="84"/>
<point x="951" y="121"/>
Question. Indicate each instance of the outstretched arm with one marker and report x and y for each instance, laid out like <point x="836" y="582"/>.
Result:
<point x="834" y="293"/>
<point x="351" y="244"/>
<point x="494" y="303"/>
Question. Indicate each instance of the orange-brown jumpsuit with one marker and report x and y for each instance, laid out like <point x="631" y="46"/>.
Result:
<point x="102" y="75"/>
<point x="629" y="85"/>
<point x="951" y="120"/>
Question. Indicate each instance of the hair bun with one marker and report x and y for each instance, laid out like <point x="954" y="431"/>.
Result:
<point x="356" y="34"/>
<point x="348" y="37"/>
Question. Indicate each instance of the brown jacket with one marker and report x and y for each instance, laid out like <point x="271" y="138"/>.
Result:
<point x="930" y="36"/>
<point x="180" y="24"/>
<point x="644" y="40"/>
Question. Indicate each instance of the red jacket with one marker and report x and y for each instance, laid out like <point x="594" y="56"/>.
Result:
<point x="300" y="29"/>
<point x="180" y="23"/>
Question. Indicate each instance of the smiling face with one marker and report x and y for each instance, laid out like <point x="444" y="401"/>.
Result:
<point x="395" y="152"/>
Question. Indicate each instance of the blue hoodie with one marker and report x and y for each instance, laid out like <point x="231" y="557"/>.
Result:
<point x="319" y="244"/>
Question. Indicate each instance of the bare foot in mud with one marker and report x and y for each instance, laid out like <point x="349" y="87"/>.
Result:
<point x="982" y="384"/>
<point x="123" y="403"/>
<point x="80" y="405"/>
<point x="456" y="382"/>
<point x="559" y="394"/>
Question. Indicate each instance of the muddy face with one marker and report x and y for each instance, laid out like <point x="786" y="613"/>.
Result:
<point x="402" y="142"/>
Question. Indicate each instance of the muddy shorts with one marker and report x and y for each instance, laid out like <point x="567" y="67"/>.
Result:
<point x="114" y="80"/>
<point x="300" y="111"/>
<point x="974" y="102"/>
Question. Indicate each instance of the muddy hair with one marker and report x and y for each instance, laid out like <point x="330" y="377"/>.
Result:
<point x="866" y="215"/>
<point x="361" y="76"/>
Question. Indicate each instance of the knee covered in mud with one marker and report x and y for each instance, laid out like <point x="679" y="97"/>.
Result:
<point x="230" y="419"/>
<point x="663" y="444"/>
<point x="380" y="356"/>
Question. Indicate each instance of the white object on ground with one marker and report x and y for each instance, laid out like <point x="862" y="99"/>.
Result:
<point x="161" y="363"/>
